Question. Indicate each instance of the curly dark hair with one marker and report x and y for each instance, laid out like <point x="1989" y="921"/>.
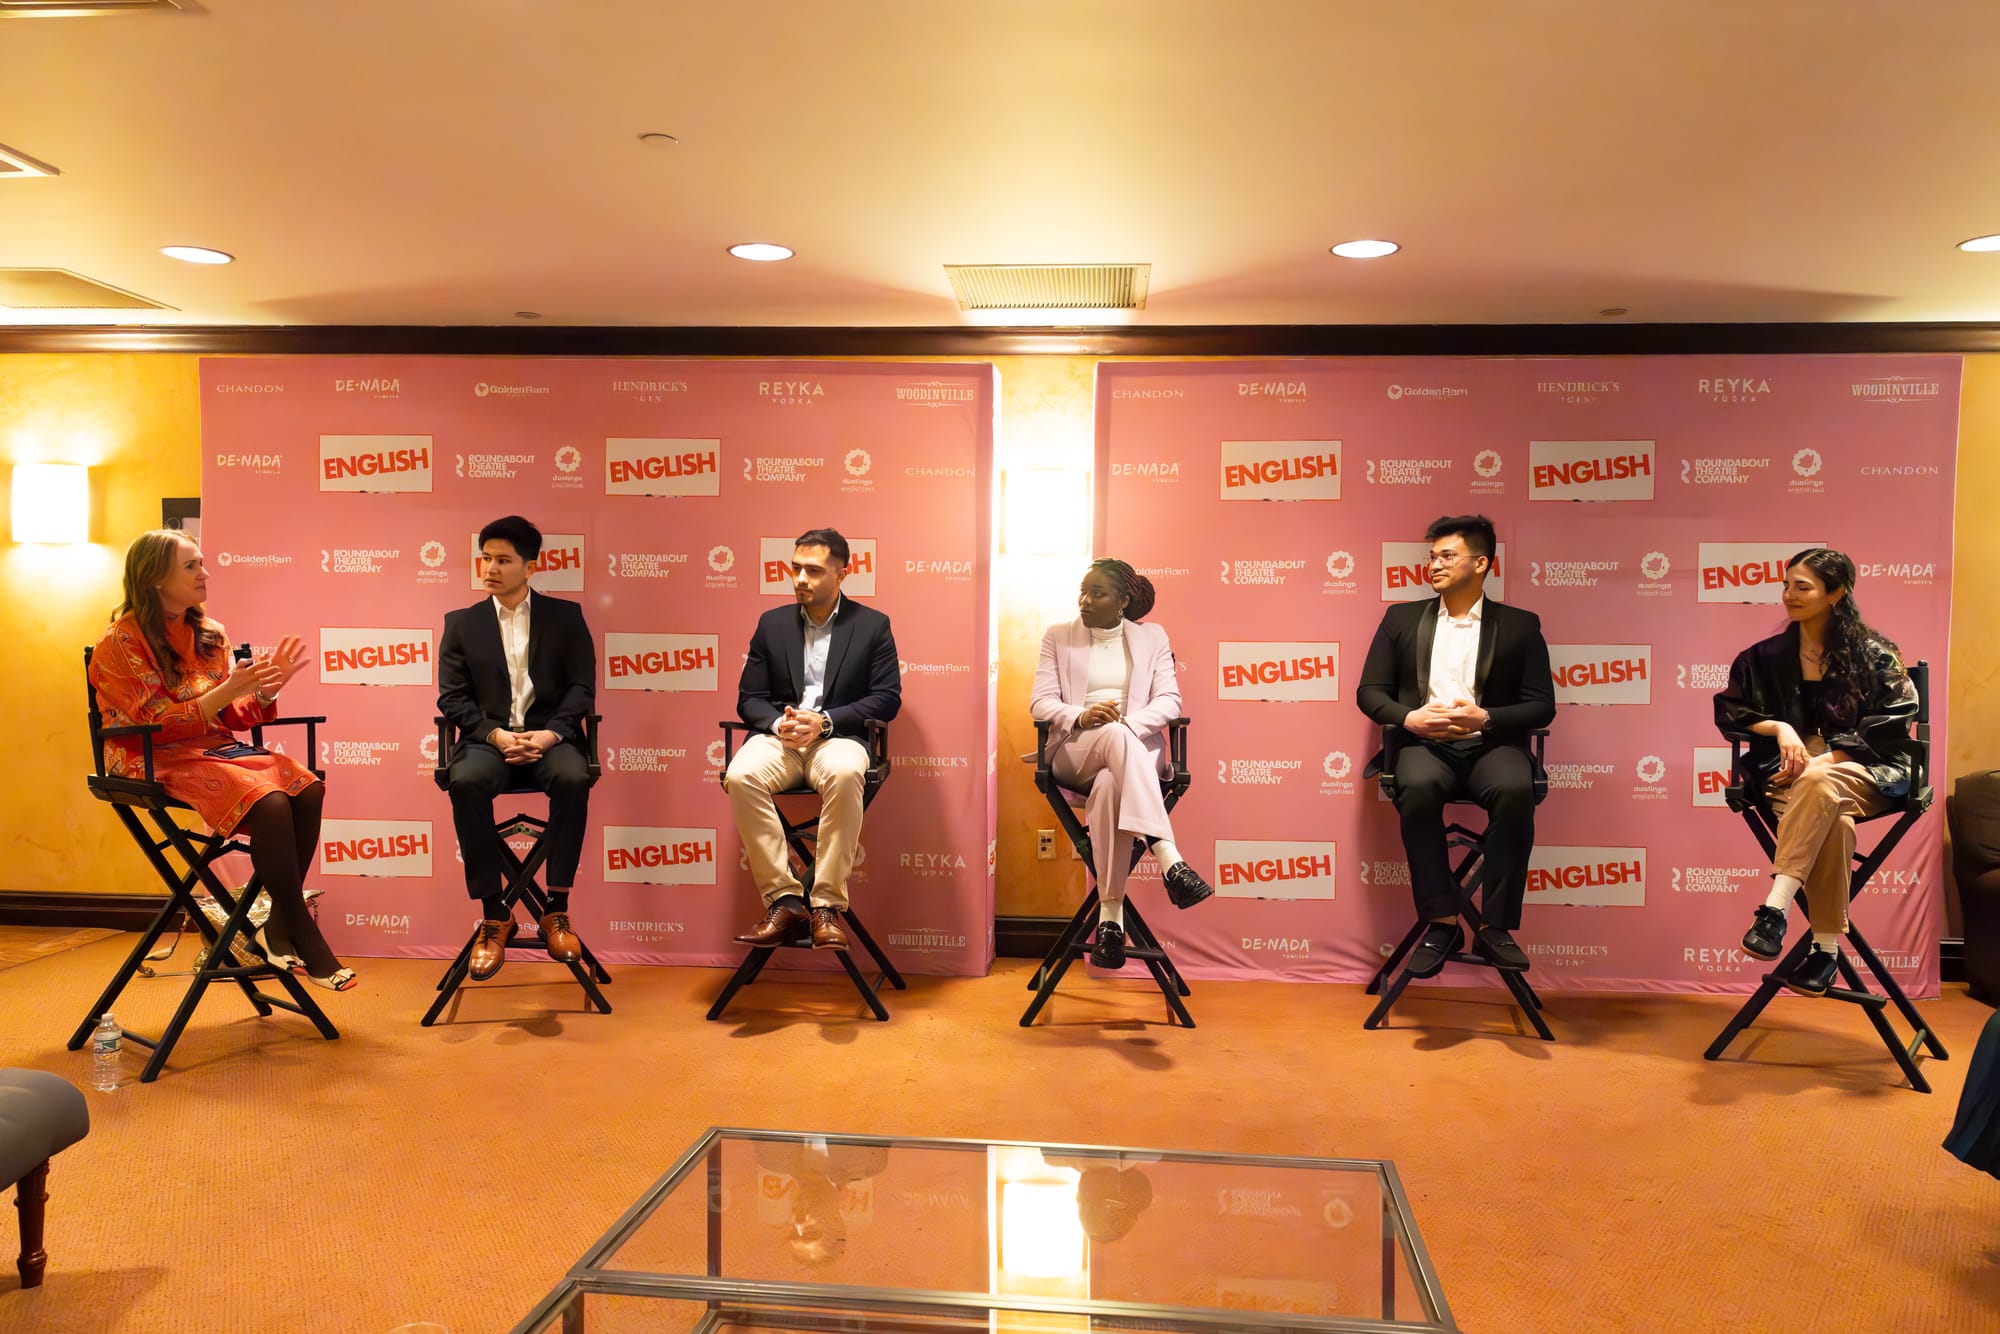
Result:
<point x="1136" y="588"/>
<point x="1856" y="653"/>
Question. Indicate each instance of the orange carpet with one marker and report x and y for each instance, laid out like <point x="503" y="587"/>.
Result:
<point x="1612" y="1181"/>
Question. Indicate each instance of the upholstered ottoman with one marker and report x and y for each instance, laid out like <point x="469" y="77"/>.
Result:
<point x="40" y="1116"/>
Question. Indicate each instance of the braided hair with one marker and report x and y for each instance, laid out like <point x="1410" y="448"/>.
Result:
<point x="1856" y="653"/>
<point x="1136" y="588"/>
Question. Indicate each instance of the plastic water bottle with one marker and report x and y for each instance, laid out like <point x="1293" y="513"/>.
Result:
<point x="106" y="1046"/>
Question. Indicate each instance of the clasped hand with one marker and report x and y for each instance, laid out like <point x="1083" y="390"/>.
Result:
<point x="799" y="728"/>
<point x="1794" y="759"/>
<point x="523" y="747"/>
<point x="1098" y="714"/>
<point x="1446" y="722"/>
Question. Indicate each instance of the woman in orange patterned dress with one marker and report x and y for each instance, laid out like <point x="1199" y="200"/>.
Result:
<point x="163" y="660"/>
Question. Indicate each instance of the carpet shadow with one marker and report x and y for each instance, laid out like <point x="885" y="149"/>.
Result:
<point x="1796" y="1061"/>
<point x="1439" y="1034"/>
<point x="108" y="1295"/>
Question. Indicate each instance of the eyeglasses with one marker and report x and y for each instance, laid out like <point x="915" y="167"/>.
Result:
<point x="1446" y="557"/>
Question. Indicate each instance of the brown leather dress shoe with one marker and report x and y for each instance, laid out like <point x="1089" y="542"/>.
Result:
<point x="489" y="947"/>
<point x="779" y="923"/>
<point x="827" y="931"/>
<point x="563" y="945"/>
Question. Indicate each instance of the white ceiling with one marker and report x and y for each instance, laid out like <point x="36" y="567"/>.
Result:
<point x="456" y="161"/>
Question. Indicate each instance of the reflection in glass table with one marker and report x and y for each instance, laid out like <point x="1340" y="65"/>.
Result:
<point x="788" y="1231"/>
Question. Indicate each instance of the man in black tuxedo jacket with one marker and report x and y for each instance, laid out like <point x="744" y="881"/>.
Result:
<point x="1466" y="680"/>
<point x="817" y="672"/>
<point x="517" y="674"/>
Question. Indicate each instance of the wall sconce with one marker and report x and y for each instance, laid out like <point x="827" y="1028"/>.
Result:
<point x="1045" y="512"/>
<point x="51" y="502"/>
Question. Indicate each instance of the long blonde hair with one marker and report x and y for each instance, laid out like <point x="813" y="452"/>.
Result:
<point x="148" y="561"/>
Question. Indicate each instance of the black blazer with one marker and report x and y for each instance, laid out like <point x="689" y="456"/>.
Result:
<point x="473" y="691"/>
<point x="863" y="677"/>
<point x="1764" y="687"/>
<point x="1511" y="675"/>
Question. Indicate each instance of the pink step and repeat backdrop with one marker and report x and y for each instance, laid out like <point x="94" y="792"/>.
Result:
<point x="341" y="502"/>
<point x="1645" y="508"/>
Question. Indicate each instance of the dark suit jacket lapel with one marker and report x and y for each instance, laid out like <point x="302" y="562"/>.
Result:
<point x="789" y="655"/>
<point x="1427" y="629"/>
<point x="1489" y="631"/>
<point x="488" y="655"/>
<point x="843" y="636"/>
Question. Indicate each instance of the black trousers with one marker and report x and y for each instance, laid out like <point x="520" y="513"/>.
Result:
<point x="1500" y="778"/>
<point x="479" y="775"/>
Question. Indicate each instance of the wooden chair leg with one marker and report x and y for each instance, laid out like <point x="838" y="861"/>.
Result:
<point x="30" y="1196"/>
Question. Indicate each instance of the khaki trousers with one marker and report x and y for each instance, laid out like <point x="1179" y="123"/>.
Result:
<point x="1122" y="781"/>
<point x="1816" y="813"/>
<point x="835" y="768"/>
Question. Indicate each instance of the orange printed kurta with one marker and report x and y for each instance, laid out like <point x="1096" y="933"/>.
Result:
<point x="131" y="690"/>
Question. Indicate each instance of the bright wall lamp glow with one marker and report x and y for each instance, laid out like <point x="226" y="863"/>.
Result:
<point x="51" y="502"/>
<point x="1981" y="244"/>
<point x="197" y="254"/>
<point x="1365" y="249"/>
<point x="764" y="252"/>
<point x="1044" y="512"/>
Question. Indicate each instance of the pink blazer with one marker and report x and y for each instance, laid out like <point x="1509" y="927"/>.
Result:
<point x="1152" y="698"/>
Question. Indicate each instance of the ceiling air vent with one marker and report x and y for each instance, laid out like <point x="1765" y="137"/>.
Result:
<point x="71" y="9"/>
<point x="18" y="166"/>
<point x="59" y="289"/>
<point x="1049" y="286"/>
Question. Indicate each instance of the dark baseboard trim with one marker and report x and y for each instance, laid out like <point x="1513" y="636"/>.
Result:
<point x="1951" y="959"/>
<point x="1026" y="937"/>
<point x="117" y="912"/>
<point x="1224" y="340"/>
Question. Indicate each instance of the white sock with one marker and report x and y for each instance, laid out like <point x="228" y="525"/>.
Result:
<point x="1112" y="911"/>
<point x="1782" y="889"/>
<point x="1166" y="855"/>
<point x="1827" y="940"/>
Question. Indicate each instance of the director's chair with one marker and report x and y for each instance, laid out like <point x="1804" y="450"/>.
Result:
<point x="1747" y="797"/>
<point x="184" y="858"/>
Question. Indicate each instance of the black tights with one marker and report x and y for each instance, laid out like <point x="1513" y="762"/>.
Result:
<point x="284" y="834"/>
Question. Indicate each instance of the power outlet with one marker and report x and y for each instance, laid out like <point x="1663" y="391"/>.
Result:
<point x="1045" y="844"/>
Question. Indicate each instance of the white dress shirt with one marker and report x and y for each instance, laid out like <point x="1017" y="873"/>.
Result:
<point x="1455" y="656"/>
<point x="514" y="639"/>
<point x="1109" y="675"/>
<point x="819" y="638"/>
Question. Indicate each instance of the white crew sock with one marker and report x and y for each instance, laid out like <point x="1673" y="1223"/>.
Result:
<point x="1166" y="855"/>
<point x="1112" y="911"/>
<point x="1827" y="940"/>
<point x="1782" y="889"/>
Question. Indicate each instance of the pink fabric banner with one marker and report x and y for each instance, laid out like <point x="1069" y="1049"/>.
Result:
<point x="1645" y="507"/>
<point x="342" y="499"/>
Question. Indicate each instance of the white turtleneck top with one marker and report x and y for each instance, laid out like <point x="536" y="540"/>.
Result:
<point x="1110" y="672"/>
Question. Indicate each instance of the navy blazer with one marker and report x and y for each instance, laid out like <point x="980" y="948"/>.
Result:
<point x="864" y="680"/>
<point x="473" y="690"/>
<point x="1511" y="674"/>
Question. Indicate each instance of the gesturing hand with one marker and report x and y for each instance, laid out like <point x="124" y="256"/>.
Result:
<point x="290" y="659"/>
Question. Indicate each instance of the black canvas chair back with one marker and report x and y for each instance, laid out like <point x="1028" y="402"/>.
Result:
<point x="802" y="837"/>
<point x="184" y="858"/>
<point x="1746" y="796"/>
<point x="1470" y="844"/>
<point x="522" y="885"/>
<point x="1075" y="940"/>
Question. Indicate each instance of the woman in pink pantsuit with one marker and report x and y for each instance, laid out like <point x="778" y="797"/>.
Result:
<point x="1106" y="684"/>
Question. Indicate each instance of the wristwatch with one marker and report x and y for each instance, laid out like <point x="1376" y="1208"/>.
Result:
<point x="825" y="725"/>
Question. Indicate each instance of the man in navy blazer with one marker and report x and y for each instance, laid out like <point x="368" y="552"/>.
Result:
<point x="1458" y="682"/>
<point x="818" y="671"/>
<point x="517" y="675"/>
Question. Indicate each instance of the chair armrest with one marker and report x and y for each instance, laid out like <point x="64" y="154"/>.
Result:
<point x="1042" y="726"/>
<point x="144" y="731"/>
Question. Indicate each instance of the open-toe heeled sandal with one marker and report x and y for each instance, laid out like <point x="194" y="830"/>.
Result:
<point x="289" y="963"/>
<point x="341" y="979"/>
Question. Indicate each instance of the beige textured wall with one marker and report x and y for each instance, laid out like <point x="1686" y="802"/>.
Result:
<point x="135" y="418"/>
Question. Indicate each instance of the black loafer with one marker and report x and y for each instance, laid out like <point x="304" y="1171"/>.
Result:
<point x="1497" y="947"/>
<point x="1766" y="937"/>
<point x="1815" y="973"/>
<point x="1109" y="951"/>
<point x="1440" y="940"/>
<point x="1185" y="887"/>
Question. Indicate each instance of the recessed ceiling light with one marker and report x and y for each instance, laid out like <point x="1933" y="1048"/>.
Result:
<point x="1365" y="249"/>
<point x="1980" y="244"/>
<point x="527" y="314"/>
<point x="1613" y="312"/>
<point x="658" y="139"/>
<point x="761" y="251"/>
<point x="195" y="254"/>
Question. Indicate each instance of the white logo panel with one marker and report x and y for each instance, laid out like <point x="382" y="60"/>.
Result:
<point x="1602" y="673"/>
<point x="367" y="656"/>
<point x="1587" y="877"/>
<point x="668" y="467"/>
<point x="375" y="462"/>
<point x="1281" y="470"/>
<point x="375" y="847"/>
<point x="1591" y="469"/>
<point x="1745" y="571"/>
<point x="1262" y="869"/>
<point x="645" y="855"/>
<point x="1278" y="671"/>
<point x="660" y="662"/>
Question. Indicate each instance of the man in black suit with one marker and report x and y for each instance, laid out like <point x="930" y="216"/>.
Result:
<point x="817" y="672"/>
<point x="1466" y="680"/>
<point x="517" y="674"/>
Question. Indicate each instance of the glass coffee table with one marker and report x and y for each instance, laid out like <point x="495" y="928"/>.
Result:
<point x="755" y="1230"/>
